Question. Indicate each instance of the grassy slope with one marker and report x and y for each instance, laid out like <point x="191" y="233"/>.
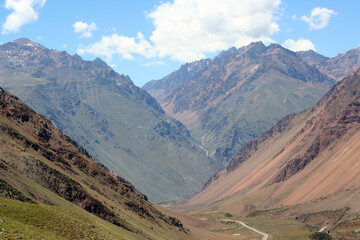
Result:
<point x="38" y="221"/>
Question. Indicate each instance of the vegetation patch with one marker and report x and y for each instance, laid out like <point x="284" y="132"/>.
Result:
<point x="7" y="191"/>
<point x="19" y="220"/>
<point x="321" y="236"/>
<point x="273" y="211"/>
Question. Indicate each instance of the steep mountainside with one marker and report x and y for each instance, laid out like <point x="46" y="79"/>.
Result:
<point x="309" y="160"/>
<point x="238" y="95"/>
<point x="338" y="67"/>
<point x="41" y="165"/>
<point x="121" y="125"/>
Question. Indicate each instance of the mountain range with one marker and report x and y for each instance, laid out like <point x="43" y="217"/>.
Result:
<point x="337" y="67"/>
<point x="288" y="178"/>
<point x="52" y="189"/>
<point x="306" y="167"/>
<point x="119" y="124"/>
<point x="228" y="100"/>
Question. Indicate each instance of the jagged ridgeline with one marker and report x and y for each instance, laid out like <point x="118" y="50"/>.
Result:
<point x="228" y="100"/>
<point x="121" y="125"/>
<point x="337" y="67"/>
<point x="60" y="191"/>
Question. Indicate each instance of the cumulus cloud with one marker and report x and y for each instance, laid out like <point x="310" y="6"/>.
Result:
<point x="319" y="18"/>
<point x="299" y="45"/>
<point x="186" y="29"/>
<point x="109" y="46"/>
<point x="84" y="29"/>
<point x="23" y="12"/>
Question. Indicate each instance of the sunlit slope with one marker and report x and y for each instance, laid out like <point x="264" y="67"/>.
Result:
<point x="304" y="157"/>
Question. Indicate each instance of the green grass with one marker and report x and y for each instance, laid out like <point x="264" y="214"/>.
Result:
<point x="37" y="221"/>
<point x="278" y="228"/>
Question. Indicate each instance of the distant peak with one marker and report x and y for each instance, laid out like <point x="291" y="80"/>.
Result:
<point x="277" y="48"/>
<point x="256" y="44"/>
<point x="27" y="42"/>
<point x="228" y="52"/>
<point x="24" y="41"/>
<point x="232" y="49"/>
<point x="275" y="45"/>
<point x="77" y="57"/>
<point x="255" y="47"/>
<point x="308" y="51"/>
<point x="100" y="63"/>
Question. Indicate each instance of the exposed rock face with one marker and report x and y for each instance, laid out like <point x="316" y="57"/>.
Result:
<point x="231" y="99"/>
<point x="337" y="67"/>
<point x="35" y="157"/>
<point x="339" y="115"/>
<point x="121" y="125"/>
<point x="306" y="156"/>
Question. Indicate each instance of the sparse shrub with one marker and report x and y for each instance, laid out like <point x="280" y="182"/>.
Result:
<point x="228" y="215"/>
<point x="321" y="236"/>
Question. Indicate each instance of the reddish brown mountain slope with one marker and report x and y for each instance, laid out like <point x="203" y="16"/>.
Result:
<point x="311" y="155"/>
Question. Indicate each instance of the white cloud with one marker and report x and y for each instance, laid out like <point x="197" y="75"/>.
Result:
<point x="319" y="18"/>
<point x="186" y="29"/>
<point x="23" y="12"/>
<point x="39" y="38"/>
<point x="84" y="28"/>
<point x="299" y="45"/>
<point x="109" y="46"/>
<point x="64" y="46"/>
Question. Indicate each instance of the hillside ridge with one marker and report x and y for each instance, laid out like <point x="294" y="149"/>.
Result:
<point x="119" y="124"/>
<point x="225" y="100"/>
<point x="36" y="159"/>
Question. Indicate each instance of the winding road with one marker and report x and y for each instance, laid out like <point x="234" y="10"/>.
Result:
<point x="265" y="236"/>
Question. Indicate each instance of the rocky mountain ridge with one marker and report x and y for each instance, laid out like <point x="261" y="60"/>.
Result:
<point x="27" y="55"/>
<point x="337" y="67"/>
<point x="121" y="125"/>
<point x="230" y="99"/>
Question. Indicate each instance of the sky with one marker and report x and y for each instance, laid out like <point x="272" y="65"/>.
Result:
<point x="148" y="39"/>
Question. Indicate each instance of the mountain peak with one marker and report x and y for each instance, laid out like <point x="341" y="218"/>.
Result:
<point x="100" y="63"/>
<point x="275" y="45"/>
<point x="254" y="48"/>
<point x="226" y="53"/>
<point x="27" y="42"/>
<point x="256" y="45"/>
<point x="23" y="41"/>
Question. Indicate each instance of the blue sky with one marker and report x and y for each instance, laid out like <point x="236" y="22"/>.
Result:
<point x="148" y="39"/>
